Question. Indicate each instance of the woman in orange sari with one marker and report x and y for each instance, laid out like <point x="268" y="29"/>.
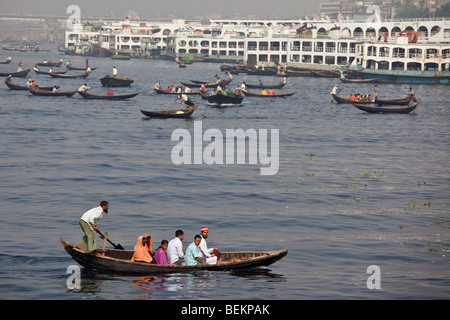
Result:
<point x="143" y="249"/>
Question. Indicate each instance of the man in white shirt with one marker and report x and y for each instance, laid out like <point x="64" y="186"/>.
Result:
<point x="175" y="249"/>
<point x="88" y="224"/>
<point x="114" y="72"/>
<point x="205" y="253"/>
<point x="84" y="88"/>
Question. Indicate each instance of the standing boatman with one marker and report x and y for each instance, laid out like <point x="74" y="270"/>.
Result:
<point x="88" y="224"/>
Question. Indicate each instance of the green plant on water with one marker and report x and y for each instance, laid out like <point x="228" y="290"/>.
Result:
<point x="310" y="154"/>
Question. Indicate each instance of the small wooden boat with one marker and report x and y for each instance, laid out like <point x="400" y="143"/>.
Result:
<point x="120" y="57"/>
<point x="49" y="64"/>
<point x="177" y="113"/>
<point x="262" y="72"/>
<point x="159" y="91"/>
<point x="48" y="73"/>
<point x="221" y="99"/>
<point x="208" y="84"/>
<point x="325" y="73"/>
<point x="346" y="80"/>
<point x="69" y="76"/>
<point x="77" y="68"/>
<point x="266" y="86"/>
<point x="108" y="81"/>
<point x="87" y="95"/>
<point x="119" y="261"/>
<point x="18" y="74"/>
<point x="254" y="94"/>
<point x="48" y="93"/>
<point x="181" y="65"/>
<point x="404" y="101"/>
<point x="7" y="61"/>
<point x="375" y="109"/>
<point x="14" y="86"/>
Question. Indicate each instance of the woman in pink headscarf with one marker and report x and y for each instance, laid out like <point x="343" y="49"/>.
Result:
<point x="160" y="254"/>
<point x="143" y="249"/>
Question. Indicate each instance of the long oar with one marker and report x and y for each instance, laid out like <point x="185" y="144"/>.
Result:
<point x="118" y="247"/>
<point x="195" y="108"/>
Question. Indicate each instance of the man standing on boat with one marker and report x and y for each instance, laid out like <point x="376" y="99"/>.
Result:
<point x="205" y="253"/>
<point x="87" y="223"/>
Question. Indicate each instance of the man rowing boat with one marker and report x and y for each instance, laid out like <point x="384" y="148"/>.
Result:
<point x="88" y="224"/>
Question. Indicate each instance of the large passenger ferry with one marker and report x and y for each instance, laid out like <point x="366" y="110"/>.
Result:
<point x="404" y="51"/>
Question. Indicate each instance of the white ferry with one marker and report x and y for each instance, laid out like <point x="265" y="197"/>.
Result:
<point x="367" y="48"/>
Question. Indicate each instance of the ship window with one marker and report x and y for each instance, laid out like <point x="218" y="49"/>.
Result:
<point x="204" y="51"/>
<point x="431" y="66"/>
<point x="306" y="59"/>
<point x="181" y="50"/>
<point x="329" y="60"/>
<point x="445" y="53"/>
<point x="395" y="31"/>
<point x="358" y="33"/>
<point x="435" y="30"/>
<point x="193" y="51"/>
<point x="263" y="46"/>
<point x="398" y="65"/>
<point x="307" y="46"/>
<point x="383" y="65"/>
<point x="318" y="59"/>
<point x="414" y="66"/>
<point x="263" y="57"/>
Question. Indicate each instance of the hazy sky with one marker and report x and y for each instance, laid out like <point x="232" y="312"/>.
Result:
<point x="150" y="8"/>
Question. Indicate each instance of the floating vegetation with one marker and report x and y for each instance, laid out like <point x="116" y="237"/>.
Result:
<point x="358" y="199"/>
<point x="349" y="186"/>
<point x="310" y="154"/>
<point x="419" y="183"/>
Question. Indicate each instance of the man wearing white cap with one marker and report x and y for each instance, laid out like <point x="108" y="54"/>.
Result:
<point x="208" y="254"/>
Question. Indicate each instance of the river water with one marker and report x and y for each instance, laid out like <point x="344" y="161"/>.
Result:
<point x="353" y="190"/>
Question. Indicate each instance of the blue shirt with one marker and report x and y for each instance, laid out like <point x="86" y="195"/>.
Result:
<point x="191" y="254"/>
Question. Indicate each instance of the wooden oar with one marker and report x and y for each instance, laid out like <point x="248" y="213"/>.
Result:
<point x="118" y="246"/>
<point x="195" y="107"/>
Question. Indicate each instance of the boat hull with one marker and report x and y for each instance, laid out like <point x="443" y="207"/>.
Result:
<point x="119" y="261"/>
<point x="221" y="99"/>
<point x="374" y="109"/>
<point x="179" y="113"/>
<point x="108" y="81"/>
<point x="106" y="97"/>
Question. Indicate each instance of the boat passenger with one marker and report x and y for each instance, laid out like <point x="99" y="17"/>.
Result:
<point x="284" y="80"/>
<point x="143" y="249"/>
<point x="263" y="92"/>
<point x="187" y="89"/>
<point x="355" y="97"/>
<point x="114" y="74"/>
<point x="186" y="101"/>
<point x="207" y="254"/>
<point x="271" y="93"/>
<point x="335" y="90"/>
<point x="168" y="89"/>
<point x="157" y="86"/>
<point x="84" y="88"/>
<point x="375" y="92"/>
<point x="261" y="83"/>
<point x="8" y="78"/>
<point x="19" y="67"/>
<point x="192" y="257"/>
<point x="411" y="94"/>
<point x="88" y="224"/>
<point x="55" y="89"/>
<point x="243" y="86"/>
<point x="110" y="92"/>
<point x="88" y="70"/>
<point x="160" y="254"/>
<point x="51" y="70"/>
<point x="350" y="96"/>
<point x="175" y="248"/>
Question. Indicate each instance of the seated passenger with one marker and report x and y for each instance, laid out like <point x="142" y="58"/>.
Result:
<point x="160" y="254"/>
<point x="143" y="249"/>
<point x="263" y="92"/>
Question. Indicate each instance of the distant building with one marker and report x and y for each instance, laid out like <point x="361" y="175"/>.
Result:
<point x="356" y="10"/>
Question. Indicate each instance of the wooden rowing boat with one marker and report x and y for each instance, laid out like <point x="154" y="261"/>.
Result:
<point x="375" y="109"/>
<point x="119" y="261"/>
<point x="254" y="94"/>
<point x="221" y="99"/>
<point x="177" y="113"/>
<point x="108" y="81"/>
<point x="159" y="91"/>
<point x="208" y="84"/>
<point x="266" y="86"/>
<point x="77" y="68"/>
<point x="48" y="93"/>
<point x="88" y="95"/>
<point x="7" y="61"/>
<point x="69" y="76"/>
<point x="49" y="64"/>
<point x="18" y="74"/>
<point x="47" y="72"/>
<point x="345" y="80"/>
<point x="14" y="86"/>
<point x="403" y="101"/>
